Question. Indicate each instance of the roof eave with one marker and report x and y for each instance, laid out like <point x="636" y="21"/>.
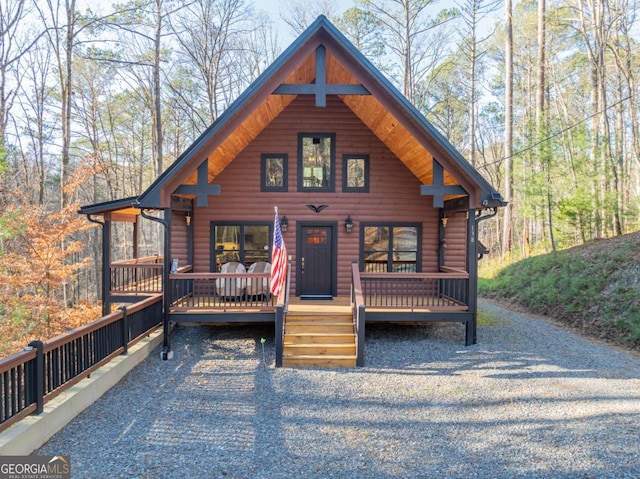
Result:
<point x="109" y="206"/>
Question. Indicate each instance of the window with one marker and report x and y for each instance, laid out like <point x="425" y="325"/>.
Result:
<point x="273" y="172"/>
<point x="316" y="162"/>
<point x="391" y="248"/>
<point x="245" y="243"/>
<point x="317" y="236"/>
<point x="355" y="173"/>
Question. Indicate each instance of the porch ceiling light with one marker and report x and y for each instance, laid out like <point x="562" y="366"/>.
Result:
<point x="348" y="224"/>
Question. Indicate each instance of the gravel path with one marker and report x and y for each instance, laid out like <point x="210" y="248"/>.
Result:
<point x="530" y="401"/>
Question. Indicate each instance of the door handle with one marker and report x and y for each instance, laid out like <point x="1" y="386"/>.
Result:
<point x="302" y="265"/>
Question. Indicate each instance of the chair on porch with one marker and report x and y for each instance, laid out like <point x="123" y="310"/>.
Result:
<point x="258" y="286"/>
<point x="231" y="287"/>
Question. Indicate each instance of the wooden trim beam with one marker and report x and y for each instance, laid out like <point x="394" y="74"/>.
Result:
<point x="320" y="88"/>
<point x="202" y="189"/>
<point x="438" y="189"/>
<point x="311" y="88"/>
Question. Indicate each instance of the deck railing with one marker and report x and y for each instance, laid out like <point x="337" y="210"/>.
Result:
<point x="282" y="307"/>
<point x="358" y="312"/>
<point x="222" y="291"/>
<point x="43" y="370"/>
<point x="431" y="291"/>
<point x="140" y="276"/>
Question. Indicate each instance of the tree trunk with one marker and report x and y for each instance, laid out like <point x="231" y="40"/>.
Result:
<point x="508" y="131"/>
<point x="157" y="103"/>
<point x="543" y="162"/>
<point x="66" y="85"/>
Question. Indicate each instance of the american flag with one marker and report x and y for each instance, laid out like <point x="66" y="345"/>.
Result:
<point x="278" y="259"/>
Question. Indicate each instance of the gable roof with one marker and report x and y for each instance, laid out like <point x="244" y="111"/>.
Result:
<point x="343" y="69"/>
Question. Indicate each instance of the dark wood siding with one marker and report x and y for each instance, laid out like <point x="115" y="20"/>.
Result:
<point x="179" y="238"/>
<point x="456" y="236"/>
<point x="394" y="193"/>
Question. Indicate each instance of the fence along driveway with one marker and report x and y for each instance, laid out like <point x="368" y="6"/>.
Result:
<point x="43" y="370"/>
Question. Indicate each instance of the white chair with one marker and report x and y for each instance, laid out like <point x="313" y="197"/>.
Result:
<point x="231" y="287"/>
<point x="258" y="286"/>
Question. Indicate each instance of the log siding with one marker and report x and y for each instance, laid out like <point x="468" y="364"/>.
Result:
<point x="394" y="192"/>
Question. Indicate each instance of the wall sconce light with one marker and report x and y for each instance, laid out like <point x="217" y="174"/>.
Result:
<point x="188" y="218"/>
<point x="284" y="224"/>
<point x="444" y="221"/>
<point x="348" y="224"/>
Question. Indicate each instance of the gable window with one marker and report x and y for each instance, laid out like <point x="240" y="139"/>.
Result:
<point x="316" y="161"/>
<point x="273" y="172"/>
<point x="355" y="173"/>
<point x="246" y="243"/>
<point x="391" y="248"/>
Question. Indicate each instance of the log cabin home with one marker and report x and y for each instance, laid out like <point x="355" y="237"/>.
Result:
<point x="378" y="212"/>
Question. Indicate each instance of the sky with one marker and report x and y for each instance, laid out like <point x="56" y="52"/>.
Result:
<point x="276" y="7"/>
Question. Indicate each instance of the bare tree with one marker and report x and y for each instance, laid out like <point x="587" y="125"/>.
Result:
<point x="11" y="15"/>
<point x="34" y="123"/>
<point x="141" y="34"/>
<point x="543" y="162"/>
<point x="415" y="35"/>
<point x="62" y="22"/>
<point x="301" y="13"/>
<point x="13" y="46"/>
<point x="472" y="13"/>
<point x="507" y="236"/>
<point x="210" y="34"/>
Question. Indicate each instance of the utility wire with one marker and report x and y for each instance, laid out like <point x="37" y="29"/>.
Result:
<point x="530" y="147"/>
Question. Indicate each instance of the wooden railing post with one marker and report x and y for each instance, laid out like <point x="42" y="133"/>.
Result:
<point x="125" y="329"/>
<point x="38" y="387"/>
<point x="279" y="340"/>
<point x="359" y="310"/>
<point x="360" y="348"/>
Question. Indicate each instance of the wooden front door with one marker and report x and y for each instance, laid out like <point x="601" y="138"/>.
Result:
<point x="316" y="266"/>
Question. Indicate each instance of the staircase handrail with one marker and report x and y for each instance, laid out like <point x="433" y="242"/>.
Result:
<point x="358" y="311"/>
<point x="282" y="307"/>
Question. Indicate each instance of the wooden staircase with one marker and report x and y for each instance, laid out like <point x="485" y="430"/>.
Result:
<point x="314" y="339"/>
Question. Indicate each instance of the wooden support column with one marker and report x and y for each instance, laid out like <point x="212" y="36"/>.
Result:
<point x="441" y="235"/>
<point x="190" y="255"/>
<point x="166" y="352"/>
<point x="106" y="265"/>
<point x="135" y="239"/>
<point x="166" y="290"/>
<point x="471" y="336"/>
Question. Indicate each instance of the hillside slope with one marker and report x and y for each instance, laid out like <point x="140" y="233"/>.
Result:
<point x="594" y="288"/>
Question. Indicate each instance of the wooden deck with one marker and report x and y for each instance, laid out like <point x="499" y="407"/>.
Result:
<point x="339" y="305"/>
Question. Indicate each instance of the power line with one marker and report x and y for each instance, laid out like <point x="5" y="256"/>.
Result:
<point x="558" y="133"/>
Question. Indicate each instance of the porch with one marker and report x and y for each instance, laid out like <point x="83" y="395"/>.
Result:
<point x="324" y="332"/>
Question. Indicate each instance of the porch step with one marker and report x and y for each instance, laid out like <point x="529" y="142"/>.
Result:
<point x="319" y="362"/>
<point x="319" y="340"/>
<point x="316" y="328"/>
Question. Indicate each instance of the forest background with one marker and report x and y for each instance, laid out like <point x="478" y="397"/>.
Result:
<point x="97" y="99"/>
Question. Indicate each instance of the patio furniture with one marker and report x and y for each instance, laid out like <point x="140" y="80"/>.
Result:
<point x="231" y="287"/>
<point x="258" y="286"/>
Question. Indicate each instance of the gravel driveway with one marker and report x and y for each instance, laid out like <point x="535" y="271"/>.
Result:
<point x="529" y="401"/>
